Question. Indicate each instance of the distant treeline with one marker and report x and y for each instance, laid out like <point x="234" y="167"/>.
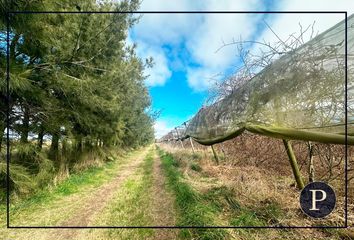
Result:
<point x="75" y="84"/>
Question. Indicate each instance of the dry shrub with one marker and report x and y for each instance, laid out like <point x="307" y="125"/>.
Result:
<point x="269" y="153"/>
<point x="256" y="168"/>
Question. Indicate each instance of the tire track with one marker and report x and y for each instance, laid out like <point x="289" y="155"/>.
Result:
<point x="163" y="209"/>
<point x="96" y="202"/>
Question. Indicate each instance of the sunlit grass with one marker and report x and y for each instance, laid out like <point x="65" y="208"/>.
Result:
<point x="48" y="206"/>
<point x="193" y="210"/>
<point x="131" y="206"/>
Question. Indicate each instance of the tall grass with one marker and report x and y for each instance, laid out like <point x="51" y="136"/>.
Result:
<point x="32" y="169"/>
<point x="93" y="176"/>
<point x="205" y="206"/>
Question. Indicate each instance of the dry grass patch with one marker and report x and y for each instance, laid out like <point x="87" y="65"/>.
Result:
<point x="252" y="196"/>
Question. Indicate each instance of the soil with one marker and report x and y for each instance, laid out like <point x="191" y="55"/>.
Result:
<point x="96" y="203"/>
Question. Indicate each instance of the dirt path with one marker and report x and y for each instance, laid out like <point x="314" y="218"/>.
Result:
<point x="88" y="206"/>
<point x="96" y="202"/>
<point x="163" y="204"/>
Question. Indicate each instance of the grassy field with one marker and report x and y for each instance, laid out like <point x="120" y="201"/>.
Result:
<point x="53" y="207"/>
<point x="153" y="187"/>
<point x="209" y="194"/>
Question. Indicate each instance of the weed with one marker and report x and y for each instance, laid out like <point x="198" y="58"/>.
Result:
<point x="269" y="211"/>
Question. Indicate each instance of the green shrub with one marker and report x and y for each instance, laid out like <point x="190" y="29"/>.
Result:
<point x="21" y="182"/>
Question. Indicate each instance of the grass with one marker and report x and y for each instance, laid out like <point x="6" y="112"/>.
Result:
<point x="224" y="199"/>
<point x="216" y="204"/>
<point x="195" y="167"/>
<point x="93" y="176"/>
<point x="131" y="206"/>
<point x="52" y="200"/>
<point x="265" y="214"/>
<point x="192" y="207"/>
<point x="132" y="203"/>
<point x="240" y="196"/>
<point x="52" y="206"/>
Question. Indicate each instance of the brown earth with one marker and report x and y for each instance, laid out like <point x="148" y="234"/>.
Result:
<point x="96" y="202"/>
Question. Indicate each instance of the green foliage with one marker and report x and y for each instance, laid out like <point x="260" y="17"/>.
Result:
<point x="246" y="218"/>
<point x="21" y="182"/>
<point x="35" y="162"/>
<point x="74" y="81"/>
<point x="93" y="176"/>
<point x="45" y="175"/>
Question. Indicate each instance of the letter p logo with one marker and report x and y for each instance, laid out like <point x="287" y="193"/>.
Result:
<point x="317" y="199"/>
<point x="314" y="198"/>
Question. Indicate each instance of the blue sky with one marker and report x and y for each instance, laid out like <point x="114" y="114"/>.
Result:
<point x="184" y="46"/>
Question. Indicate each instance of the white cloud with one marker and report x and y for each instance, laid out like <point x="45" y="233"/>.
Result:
<point x="199" y="35"/>
<point x="209" y="37"/>
<point x="164" y="28"/>
<point x="161" y="128"/>
<point x="286" y="24"/>
<point x="160" y="72"/>
<point x="200" y="79"/>
<point x="318" y="5"/>
<point x="156" y="30"/>
<point x="213" y="33"/>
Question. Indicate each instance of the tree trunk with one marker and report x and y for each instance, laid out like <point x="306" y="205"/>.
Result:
<point x="54" y="147"/>
<point x="13" y="44"/>
<point x="40" y="138"/>
<point x="2" y="130"/>
<point x="25" y="124"/>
